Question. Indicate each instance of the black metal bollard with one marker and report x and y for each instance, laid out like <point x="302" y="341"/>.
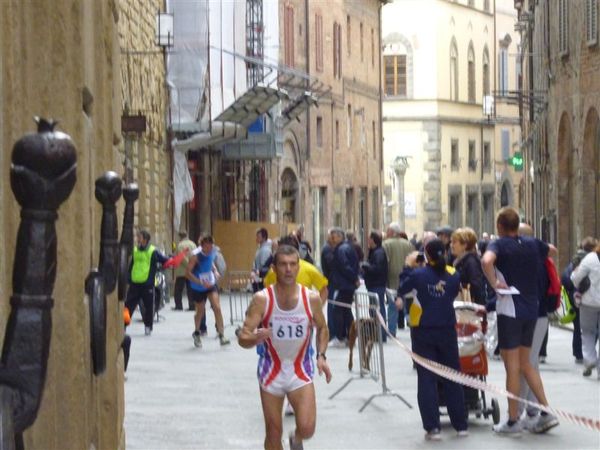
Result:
<point x="42" y="176"/>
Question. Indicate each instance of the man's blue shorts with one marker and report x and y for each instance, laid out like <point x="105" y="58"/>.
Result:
<point x="513" y="333"/>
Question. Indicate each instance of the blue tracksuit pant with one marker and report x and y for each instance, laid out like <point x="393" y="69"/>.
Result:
<point x="440" y="345"/>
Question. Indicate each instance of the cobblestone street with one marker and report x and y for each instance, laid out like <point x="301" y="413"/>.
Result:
<point x="181" y="397"/>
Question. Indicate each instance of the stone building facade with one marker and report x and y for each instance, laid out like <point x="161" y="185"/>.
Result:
<point x="446" y="161"/>
<point x="561" y="125"/>
<point x="70" y="62"/>
<point x="143" y="91"/>
<point x="338" y="143"/>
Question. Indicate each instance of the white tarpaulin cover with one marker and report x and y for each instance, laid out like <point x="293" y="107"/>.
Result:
<point x="188" y="61"/>
<point x="183" y="188"/>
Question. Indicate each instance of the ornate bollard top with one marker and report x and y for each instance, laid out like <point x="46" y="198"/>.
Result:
<point x="43" y="170"/>
<point x="108" y="189"/>
<point x="131" y="192"/>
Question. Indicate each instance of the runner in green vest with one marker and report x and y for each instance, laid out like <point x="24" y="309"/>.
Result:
<point x="142" y="271"/>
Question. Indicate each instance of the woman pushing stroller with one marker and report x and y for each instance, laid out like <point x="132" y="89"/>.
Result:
<point x="432" y="319"/>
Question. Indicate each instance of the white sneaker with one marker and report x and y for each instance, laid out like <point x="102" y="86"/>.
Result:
<point x="336" y="343"/>
<point x="462" y="433"/>
<point x="509" y="430"/>
<point x="544" y="423"/>
<point x="529" y="421"/>
<point x="433" y="435"/>
<point x="197" y="340"/>
<point x="147" y="331"/>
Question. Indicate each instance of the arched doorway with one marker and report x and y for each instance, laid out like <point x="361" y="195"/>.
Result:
<point x="257" y="194"/>
<point x="505" y="194"/>
<point x="566" y="191"/>
<point x="590" y="180"/>
<point x="289" y="195"/>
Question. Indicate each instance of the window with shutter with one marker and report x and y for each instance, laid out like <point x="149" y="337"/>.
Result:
<point x="505" y="139"/>
<point x="563" y="27"/>
<point x="453" y="71"/>
<point x="471" y="73"/>
<point x="319" y="41"/>
<point x="288" y="29"/>
<point x="591" y="22"/>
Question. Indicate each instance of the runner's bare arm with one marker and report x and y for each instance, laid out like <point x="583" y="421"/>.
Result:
<point x="323" y="294"/>
<point x="188" y="271"/>
<point x="251" y="334"/>
<point x="487" y="264"/>
<point x="322" y="335"/>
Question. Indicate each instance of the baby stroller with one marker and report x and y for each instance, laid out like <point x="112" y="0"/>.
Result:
<point x="471" y="326"/>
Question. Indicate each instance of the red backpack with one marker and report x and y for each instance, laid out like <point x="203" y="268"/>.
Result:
<point x="554" y="285"/>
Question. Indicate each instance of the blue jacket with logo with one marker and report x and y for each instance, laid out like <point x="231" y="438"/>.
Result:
<point x="433" y="302"/>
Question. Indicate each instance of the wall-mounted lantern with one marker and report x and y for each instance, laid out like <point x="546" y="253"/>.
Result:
<point x="164" y="30"/>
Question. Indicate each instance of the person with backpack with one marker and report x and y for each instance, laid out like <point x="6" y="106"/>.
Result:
<point x="261" y="259"/>
<point x="304" y="247"/>
<point x="587" y="245"/>
<point x="181" y="282"/>
<point x="547" y="303"/>
<point x="512" y="265"/>
<point x="589" y="308"/>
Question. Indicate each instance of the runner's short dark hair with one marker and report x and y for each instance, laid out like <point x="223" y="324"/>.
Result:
<point x="290" y="240"/>
<point x="508" y="219"/>
<point x="205" y="238"/>
<point x="285" y="250"/>
<point x="145" y="234"/>
<point x="263" y="232"/>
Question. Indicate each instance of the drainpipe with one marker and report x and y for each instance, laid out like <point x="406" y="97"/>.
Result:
<point x="308" y="143"/>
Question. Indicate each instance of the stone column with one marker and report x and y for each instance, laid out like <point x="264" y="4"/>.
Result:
<point x="400" y="165"/>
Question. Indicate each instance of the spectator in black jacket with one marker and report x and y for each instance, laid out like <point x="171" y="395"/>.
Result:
<point x="326" y="264"/>
<point x="343" y="279"/>
<point x="464" y="248"/>
<point x="353" y="240"/>
<point x="375" y="272"/>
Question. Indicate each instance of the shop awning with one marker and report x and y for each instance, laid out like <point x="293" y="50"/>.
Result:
<point x="254" y="102"/>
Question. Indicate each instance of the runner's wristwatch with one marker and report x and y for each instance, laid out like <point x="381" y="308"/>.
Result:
<point x="323" y="355"/>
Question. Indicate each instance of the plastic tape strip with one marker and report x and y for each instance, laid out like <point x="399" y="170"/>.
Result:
<point x="472" y="382"/>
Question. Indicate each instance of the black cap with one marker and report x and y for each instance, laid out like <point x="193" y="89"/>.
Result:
<point x="435" y="249"/>
<point x="446" y="229"/>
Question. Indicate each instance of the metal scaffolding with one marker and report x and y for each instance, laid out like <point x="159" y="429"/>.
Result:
<point x="254" y="41"/>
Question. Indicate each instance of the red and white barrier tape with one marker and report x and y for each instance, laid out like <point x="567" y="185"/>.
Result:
<point x="475" y="383"/>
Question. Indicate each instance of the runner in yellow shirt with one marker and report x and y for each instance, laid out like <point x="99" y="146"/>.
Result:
<point x="308" y="276"/>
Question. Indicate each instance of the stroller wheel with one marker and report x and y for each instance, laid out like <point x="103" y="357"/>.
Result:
<point x="495" y="411"/>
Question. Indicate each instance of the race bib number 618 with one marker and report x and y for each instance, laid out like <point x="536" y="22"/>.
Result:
<point x="283" y="329"/>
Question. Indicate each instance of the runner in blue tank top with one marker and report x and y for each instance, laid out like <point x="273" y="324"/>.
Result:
<point x="203" y="275"/>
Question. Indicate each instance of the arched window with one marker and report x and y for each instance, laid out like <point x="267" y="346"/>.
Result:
<point x="453" y="71"/>
<point x="486" y="72"/>
<point x="471" y="73"/>
<point x="397" y="66"/>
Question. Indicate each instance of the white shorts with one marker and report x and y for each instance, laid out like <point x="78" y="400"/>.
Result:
<point x="286" y="381"/>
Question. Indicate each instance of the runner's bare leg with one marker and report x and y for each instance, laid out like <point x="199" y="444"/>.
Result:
<point x="305" y="408"/>
<point x="272" y="406"/>
<point x="200" y="309"/>
<point x="215" y="304"/>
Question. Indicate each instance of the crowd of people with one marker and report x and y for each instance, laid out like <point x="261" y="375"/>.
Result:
<point x="416" y="282"/>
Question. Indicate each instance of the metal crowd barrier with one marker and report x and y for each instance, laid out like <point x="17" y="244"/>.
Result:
<point x="369" y="340"/>
<point x="240" y="294"/>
